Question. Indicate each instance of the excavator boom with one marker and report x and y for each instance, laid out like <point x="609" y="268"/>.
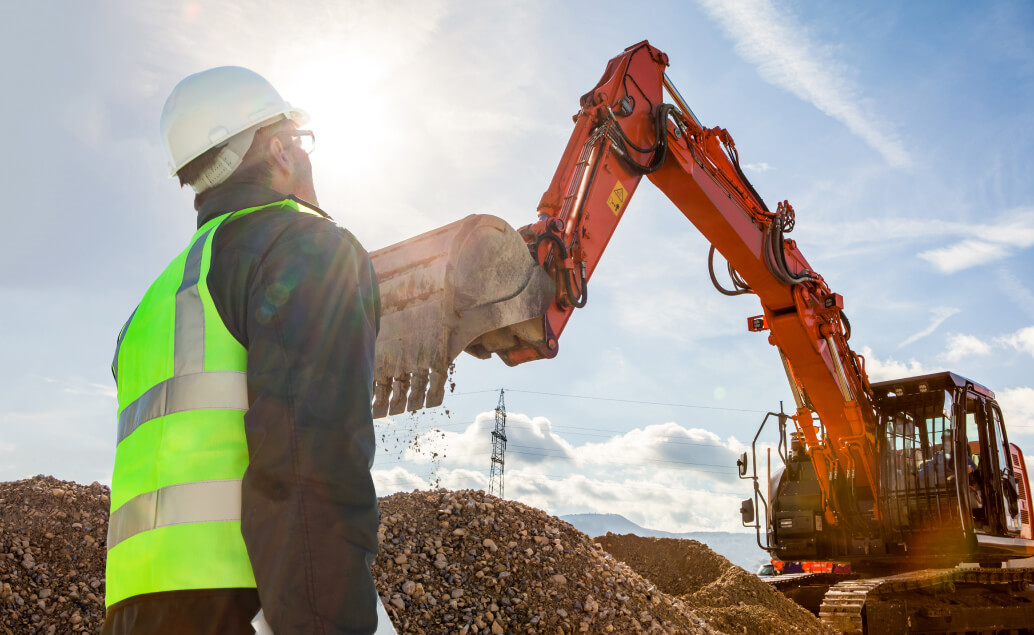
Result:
<point x="444" y="292"/>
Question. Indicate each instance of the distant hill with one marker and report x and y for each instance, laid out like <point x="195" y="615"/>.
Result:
<point x="741" y="549"/>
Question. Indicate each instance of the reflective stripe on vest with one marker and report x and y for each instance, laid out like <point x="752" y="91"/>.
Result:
<point x="199" y="502"/>
<point x="181" y="447"/>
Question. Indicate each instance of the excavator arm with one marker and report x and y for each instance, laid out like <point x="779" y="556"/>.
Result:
<point x="478" y="285"/>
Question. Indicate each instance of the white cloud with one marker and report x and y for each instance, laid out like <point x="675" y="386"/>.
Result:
<point x="961" y="245"/>
<point x="400" y="479"/>
<point x="961" y="346"/>
<point x="981" y="243"/>
<point x="757" y="167"/>
<point x="1022" y="340"/>
<point x="647" y="500"/>
<point x="786" y="57"/>
<point x="963" y="255"/>
<point x="530" y="441"/>
<point x="667" y="445"/>
<point x="646" y="474"/>
<point x="882" y="370"/>
<point x="1018" y="409"/>
<point x="940" y="314"/>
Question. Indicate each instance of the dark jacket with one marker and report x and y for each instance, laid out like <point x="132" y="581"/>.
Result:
<point x="300" y="294"/>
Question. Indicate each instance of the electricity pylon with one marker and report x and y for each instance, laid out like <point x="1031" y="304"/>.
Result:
<point x="495" y="479"/>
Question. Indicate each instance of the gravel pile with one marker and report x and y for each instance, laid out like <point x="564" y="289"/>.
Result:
<point x="727" y="597"/>
<point x="465" y="562"/>
<point x="52" y="547"/>
<point x="457" y="562"/>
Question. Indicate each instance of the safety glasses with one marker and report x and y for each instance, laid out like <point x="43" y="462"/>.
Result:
<point x="304" y="139"/>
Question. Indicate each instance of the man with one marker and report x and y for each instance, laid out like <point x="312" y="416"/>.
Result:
<point x="242" y="471"/>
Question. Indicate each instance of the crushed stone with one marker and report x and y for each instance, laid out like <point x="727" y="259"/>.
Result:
<point x="727" y="597"/>
<point x="53" y="539"/>
<point x="466" y="562"/>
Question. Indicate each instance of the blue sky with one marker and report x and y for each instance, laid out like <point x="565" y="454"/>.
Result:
<point x="902" y="133"/>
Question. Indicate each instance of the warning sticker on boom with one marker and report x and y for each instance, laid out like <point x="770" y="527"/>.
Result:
<point x="617" y="197"/>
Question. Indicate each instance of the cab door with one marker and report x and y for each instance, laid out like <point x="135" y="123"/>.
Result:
<point x="1004" y="477"/>
<point x="981" y="495"/>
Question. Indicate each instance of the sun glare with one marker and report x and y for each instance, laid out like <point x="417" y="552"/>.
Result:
<point x="355" y="113"/>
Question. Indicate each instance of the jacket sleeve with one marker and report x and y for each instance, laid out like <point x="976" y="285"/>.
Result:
<point x="309" y="509"/>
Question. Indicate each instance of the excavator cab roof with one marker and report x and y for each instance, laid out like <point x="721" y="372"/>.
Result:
<point x="923" y="383"/>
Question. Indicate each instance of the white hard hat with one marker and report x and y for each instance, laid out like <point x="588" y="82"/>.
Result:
<point x="206" y="109"/>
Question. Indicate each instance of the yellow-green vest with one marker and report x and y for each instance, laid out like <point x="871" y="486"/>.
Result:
<point x="181" y="450"/>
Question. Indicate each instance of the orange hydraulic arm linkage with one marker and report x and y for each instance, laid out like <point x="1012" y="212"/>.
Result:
<point x="624" y="131"/>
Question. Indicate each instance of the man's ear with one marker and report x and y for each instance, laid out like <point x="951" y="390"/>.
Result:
<point x="278" y="154"/>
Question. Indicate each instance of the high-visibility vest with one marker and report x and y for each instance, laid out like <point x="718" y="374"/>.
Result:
<point x="181" y="451"/>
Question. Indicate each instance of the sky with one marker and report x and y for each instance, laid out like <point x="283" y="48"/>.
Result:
<point x="902" y="134"/>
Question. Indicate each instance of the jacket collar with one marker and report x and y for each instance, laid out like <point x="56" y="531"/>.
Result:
<point x="242" y="196"/>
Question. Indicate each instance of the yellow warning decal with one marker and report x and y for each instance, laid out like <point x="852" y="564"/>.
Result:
<point x="617" y="197"/>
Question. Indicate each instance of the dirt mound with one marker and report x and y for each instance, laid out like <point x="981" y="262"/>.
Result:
<point x="52" y="549"/>
<point x="465" y="562"/>
<point x="729" y="598"/>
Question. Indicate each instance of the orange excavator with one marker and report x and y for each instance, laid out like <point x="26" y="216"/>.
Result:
<point x="902" y="479"/>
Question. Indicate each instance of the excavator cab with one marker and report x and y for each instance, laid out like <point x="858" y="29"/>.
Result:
<point x="950" y="487"/>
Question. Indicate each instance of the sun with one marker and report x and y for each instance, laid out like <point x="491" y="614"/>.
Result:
<point x="355" y="109"/>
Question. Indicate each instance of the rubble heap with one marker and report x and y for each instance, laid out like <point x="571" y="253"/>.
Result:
<point x="729" y="598"/>
<point x="52" y="548"/>
<point x="451" y="562"/>
<point x="466" y="562"/>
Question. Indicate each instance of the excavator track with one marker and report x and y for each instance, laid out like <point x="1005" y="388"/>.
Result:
<point x="807" y="589"/>
<point x="933" y="601"/>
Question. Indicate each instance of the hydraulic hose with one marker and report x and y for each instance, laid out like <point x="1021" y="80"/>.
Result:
<point x="739" y="287"/>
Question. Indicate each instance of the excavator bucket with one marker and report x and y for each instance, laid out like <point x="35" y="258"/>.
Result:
<point x="470" y="285"/>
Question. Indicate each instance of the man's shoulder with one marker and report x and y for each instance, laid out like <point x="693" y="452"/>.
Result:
<point x="264" y="230"/>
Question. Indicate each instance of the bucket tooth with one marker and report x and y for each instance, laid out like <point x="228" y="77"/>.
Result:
<point x="436" y="389"/>
<point x="381" y="393"/>
<point x="399" y="392"/>
<point x="417" y="389"/>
